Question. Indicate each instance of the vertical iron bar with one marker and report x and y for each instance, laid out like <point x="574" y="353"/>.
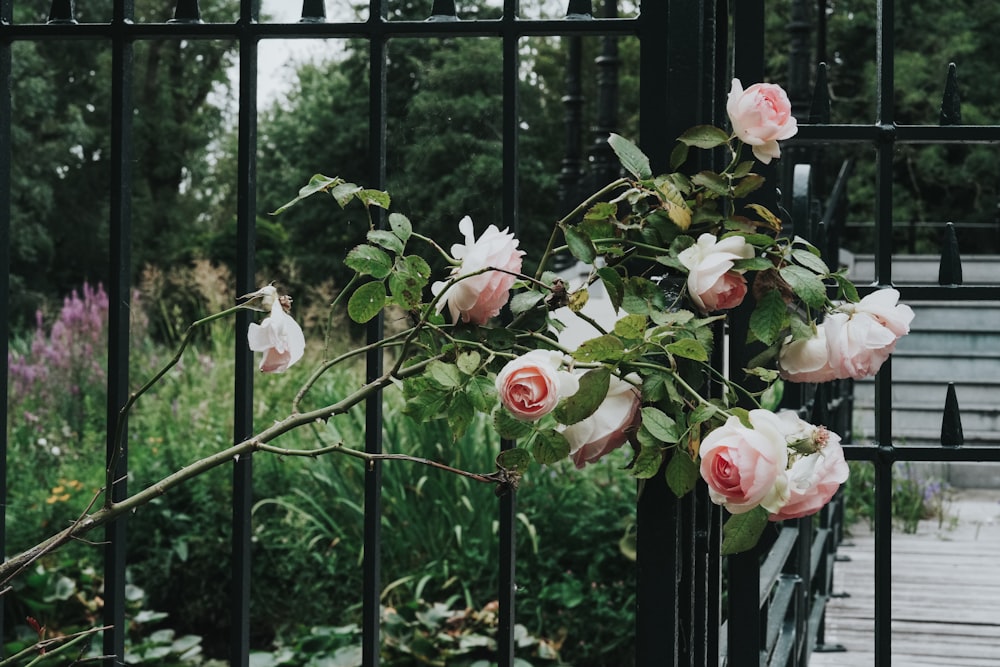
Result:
<point x="62" y="11"/>
<point x="885" y="119"/>
<point x="6" y="123"/>
<point x="119" y="297"/>
<point x="372" y="567"/>
<point x="242" y="472"/>
<point x="605" y="165"/>
<point x="187" y="11"/>
<point x="571" y="175"/>
<point x="313" y="11"/>
<point x="511" y="215"/>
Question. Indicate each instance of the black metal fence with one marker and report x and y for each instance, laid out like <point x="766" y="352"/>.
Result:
<point x="688" y="53"/>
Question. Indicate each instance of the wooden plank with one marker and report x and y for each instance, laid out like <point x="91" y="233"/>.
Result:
<point x="945" y="592"/>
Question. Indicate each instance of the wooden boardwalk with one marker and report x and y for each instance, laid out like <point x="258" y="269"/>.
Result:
<point x="945" y="592"/>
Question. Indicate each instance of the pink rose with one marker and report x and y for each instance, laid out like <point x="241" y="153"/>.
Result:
<point x="712" y="283"/>
<point x="852" y="342"/>
<point x="279" y="337"/>
<point x="609" y="427"/>
<point x="761" y="116"/>
<point x="813" y="479"/>
<point x="745" y="467"/>
<point x="479" y="297"/>
<point x="531" y="385"/>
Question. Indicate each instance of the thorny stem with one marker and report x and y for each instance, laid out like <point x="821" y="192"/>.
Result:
<point x="112" y="510"/>
<point x="117" y="451"/>
<point x="41" y="647"/>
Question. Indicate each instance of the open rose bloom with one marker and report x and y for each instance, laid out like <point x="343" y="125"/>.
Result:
<point x="852" y="342"/>
<point x="531" y="385"/>
<point x="480" y="297"/>
<point x="761" y="116"/>
<point x="609" y="427"/>
<point x="712" y="283"/>
<point x="782" y="463"/>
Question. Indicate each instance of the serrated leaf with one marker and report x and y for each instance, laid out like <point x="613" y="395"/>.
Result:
<point x="578" y="299"/>
<point x="550" y="447"/>
<point x="769" y="317"/>
<point x="765" y="213"/>
<point x="602" y="348"/>
<point x="514" y="459"/>
<point x="386" y="239"/>
<point x="679" y="214"/>
<point x="704" y="136"/>
<point x="580" y="245"/>
<point x="660" y="425"/>
<point x="702" y="413"/>
<point x="647" y="463"/>
<point x="468" y="362"/>
<point x="508" y="427"/>
<point x="747" y="184"/>
<point x="678" y="155"/>
<point x="446" y="375"/>
<point x="522" y="302"/>
<point x="654" y="385"/>
<point x="810" y="261"/>
<point x="614" y="284"/>
<point x="806" y="284"/>
<point x="482" y="393"/>
<point x="318" y="183"/>
<point x="592" y="392"/>
<point x="343" y="193"/>
<point x="426" y="405"/>
<point x="400" y="226"/>
<point x="368" y="260"/>
<point x="847" y="288"/>
<point x="642" y="297"/>
<point x="752" y="264"/>
<point x="366" y="302"/>
<point x="743" y="168"/>
<point x="374" y="198"/>
<point x="633" y="159"/>
<point x="741" y="532"/>
<point x="631" y="327"/>
<point x="712" y="182"/>
<point x="407" y="281"/>
<point x="682" y="473"/>
<point x="689" y="349"/>
<point x="460" y="414"/>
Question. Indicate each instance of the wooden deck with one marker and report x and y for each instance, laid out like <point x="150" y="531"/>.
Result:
<point x="946" y="592"/>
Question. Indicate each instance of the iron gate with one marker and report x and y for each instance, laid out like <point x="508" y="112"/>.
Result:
<point x="688" y="50"/>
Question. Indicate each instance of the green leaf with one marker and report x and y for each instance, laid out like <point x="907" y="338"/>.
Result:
<point x="368" y="260"/>
<point x="712" y="182"/>
<point x="743" y="168"/>
<point x="522" y="302"/>
<point x="702" y="413"/>
<point x="654" y="385"/>
<point x="647" y="463"/>
<point x="592" y="392"/>
<point x="741" y="532"/>
<point x="468" y="362"/>
<point x="366" y="302"/>
<point x="753" y="264"/>
<point x="550" y="447"/>
<point x="765" y="213"/>
<point x="580" y="245"/>
<point x="810" y="261"/>
<point x="847" y="288"/>
<point x="460" y="414"/>
<point x="769" y="317"/>
<point x="602" y="348"/>
<point x="631" y="327"/>
<point x="386" y="239"/>
<point x="446" y="375"/>
<point x="400" y="226"/>
<point x="678" y="155"/>
<point x="633" y="159"/>
<point x="318" y="183"/>
<point x="660" y="425"/>
<point x="373" y="198"/>
<point x="408" y="279"/>
<point x="704" y="136"/>
<point x="682" y="472"/>
<point x="482" y="392"/>
<point x="614" y="284"/>
<point x="344" y="193"/>
<point x="516" y="459"/>
<point x="688" y="348"/>
<point x="806" y="284"/>
<point x="748" y="184"/>
<point x="643" y="297"/>
<point x="509" y="427"/>
<point x="427" y="404"/>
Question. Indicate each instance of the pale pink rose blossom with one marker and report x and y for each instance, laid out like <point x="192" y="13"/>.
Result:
<point x="745" y="467"/>
<point x="609" y="427"/>
<point x="480" y="297"/>
<point x="712" y="283"/>
<point x="884" y="306"/>
<point x="279" y="337"/>
<point x="813" y="480"/>
<point x="761" y="116"/>
<point x="807" y="359"/>
<point x="531" y="385"/>
<point x="858" y="344"/>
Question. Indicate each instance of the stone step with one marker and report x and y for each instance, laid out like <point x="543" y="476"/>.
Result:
<point x="931" y="395"/>
<point x="924" y="422"/>
<point x="923" y="269"/>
